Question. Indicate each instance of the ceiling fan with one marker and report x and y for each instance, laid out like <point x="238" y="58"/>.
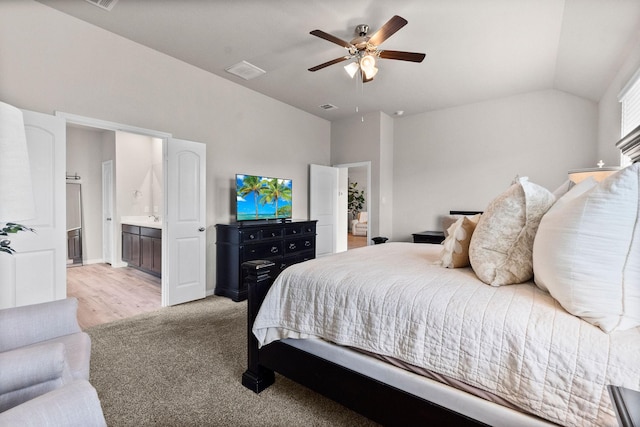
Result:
<point x="364" y="49"/>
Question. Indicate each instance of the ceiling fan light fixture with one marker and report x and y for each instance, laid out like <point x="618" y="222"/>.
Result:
<point x="368" y="62"/>
<point x="368" y="66"/>
<point x="352" y="69"/>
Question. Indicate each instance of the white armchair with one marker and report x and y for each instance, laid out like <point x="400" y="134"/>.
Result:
<point x="73" y="405"/>
<point x="359" y="225"/>
<point x="44" y="367"/>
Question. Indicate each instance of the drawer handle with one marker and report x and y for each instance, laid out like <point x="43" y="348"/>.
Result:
<point x="274" y="249"/>
<point x="294" y="231"/>
<point x="307" y="243"/>
<point x="292" y="246"/>
<point x="251" y="236"/>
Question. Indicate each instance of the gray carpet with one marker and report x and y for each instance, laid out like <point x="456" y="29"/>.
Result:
<point x="181" y="366"/>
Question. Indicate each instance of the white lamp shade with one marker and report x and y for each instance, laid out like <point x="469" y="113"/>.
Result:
<point x="16" y="192"/>
<point x="598" y="174"/>
<point x="352" y="69"/>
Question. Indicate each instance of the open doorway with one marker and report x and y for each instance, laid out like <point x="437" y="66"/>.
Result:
<point x="358" y="212"/>
<point x="176" y="248"/>
<point x="358" y="223"/>
<point x="106" y="286"/>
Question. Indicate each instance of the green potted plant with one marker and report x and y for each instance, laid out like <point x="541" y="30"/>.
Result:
<point x="355" y="200"/>
<point x="10" y="227"/>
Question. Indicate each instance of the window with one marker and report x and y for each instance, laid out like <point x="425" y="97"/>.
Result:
<point x="629" y="97"/>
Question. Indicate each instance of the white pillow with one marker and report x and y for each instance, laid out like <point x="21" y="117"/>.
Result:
<point x="501" y="246"/>
<point x="563" y="188"/>
<point x="546" y="239"/>
<point x="587" y="252"/>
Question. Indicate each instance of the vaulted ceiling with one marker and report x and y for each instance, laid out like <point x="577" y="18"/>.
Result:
<point x="475" y="49"/>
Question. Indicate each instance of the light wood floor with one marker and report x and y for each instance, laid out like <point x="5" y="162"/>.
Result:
<point x="356" y="241"/>
<point x="106" y="294"/>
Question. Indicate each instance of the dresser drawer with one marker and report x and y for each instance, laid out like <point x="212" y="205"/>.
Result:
<point x="263" y="250"/>
<point x="297" y="245"/>
<point x="309" y="228"/>
<point x="151" y="232"/>
<point x="272" y="233"/>
<point x="250" y="235"/>
<point x="300" y="229"/>
<point x="133" y="229"/>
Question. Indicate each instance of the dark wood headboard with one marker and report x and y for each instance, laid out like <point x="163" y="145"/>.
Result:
<point x="464" y="212"/>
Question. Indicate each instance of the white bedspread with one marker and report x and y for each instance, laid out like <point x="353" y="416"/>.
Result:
<point x="514" y="341"/>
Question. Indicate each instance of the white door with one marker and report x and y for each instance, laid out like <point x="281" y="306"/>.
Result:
<point x="107" y="211"/>
<point x="323" y="206"/>
<point x="37" y="272"/>
<point x="184" y="257"/>
<point x="342" y="243"/>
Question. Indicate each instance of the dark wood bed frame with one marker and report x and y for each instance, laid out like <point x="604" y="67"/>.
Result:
<point x="375" y="400"/>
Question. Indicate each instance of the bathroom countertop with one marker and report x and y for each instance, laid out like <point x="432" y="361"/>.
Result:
<point x="141" y="221"/>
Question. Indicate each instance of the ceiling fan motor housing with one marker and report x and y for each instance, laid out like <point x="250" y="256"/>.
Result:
<point x="362" y="30"/>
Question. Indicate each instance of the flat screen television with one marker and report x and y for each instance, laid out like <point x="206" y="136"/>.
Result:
<point x="262" y="198"/>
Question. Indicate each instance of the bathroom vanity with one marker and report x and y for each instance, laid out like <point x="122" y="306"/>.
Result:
<point x="142" y="246"/>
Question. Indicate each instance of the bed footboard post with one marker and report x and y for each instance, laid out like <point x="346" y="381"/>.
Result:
<point x="258" y="280"/>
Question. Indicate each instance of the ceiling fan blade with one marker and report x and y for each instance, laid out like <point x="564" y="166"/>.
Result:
<point x="326" y="64"/>
<point x="402" y="56"/>
<point x="387" y="30"/>
<point x="332" y="39"/>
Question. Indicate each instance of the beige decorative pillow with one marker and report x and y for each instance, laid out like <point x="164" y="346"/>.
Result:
<point x="455" y="251"/>
<point x="502" y="243"/>
<point x="448" y="221"/>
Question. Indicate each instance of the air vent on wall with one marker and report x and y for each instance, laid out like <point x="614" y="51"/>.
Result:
<point x="328" y="107"/>
<point x="104" y="4"/>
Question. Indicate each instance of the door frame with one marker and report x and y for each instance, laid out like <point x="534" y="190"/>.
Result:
<point x="107" y="222"/>
<point x="367" y="192"/>
<point x="119" y="127"/>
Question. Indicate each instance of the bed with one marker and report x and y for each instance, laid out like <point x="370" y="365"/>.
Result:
<point x="388" y="331"/>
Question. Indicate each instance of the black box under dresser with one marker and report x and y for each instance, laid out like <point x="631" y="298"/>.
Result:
<point x="284" y="243"/>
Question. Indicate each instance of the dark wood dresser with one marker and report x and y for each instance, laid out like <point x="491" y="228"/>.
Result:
<point x="435" y="237"/>
<point x="283" y="243"/>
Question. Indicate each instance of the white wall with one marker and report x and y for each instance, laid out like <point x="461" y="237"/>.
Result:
<point x="54" y="62"/>
<point x="133" y="187"/>
<point x="461" y="158"/>
<point x="609" y="108"/>
<point x="386" y="196"/>
<point x="357" y="139"/>
<point x="84" y="157"/>
<point x="156" y="178"/>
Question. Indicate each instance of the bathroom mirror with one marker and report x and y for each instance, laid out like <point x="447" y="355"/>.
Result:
<point x="74" y="224"/>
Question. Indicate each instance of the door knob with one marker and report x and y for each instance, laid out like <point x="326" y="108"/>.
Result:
<point x="108" y="219"/>
<point x="201" y="229"/>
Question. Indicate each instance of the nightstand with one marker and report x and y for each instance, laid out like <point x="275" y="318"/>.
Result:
<point x="626" y="403"/>
<point x="435" y="237"/>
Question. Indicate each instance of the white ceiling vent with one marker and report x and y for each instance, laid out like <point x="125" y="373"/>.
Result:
<point x="245" y="70"/>
<point x="328" y="107"/>
<point x="104" y="4"/>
